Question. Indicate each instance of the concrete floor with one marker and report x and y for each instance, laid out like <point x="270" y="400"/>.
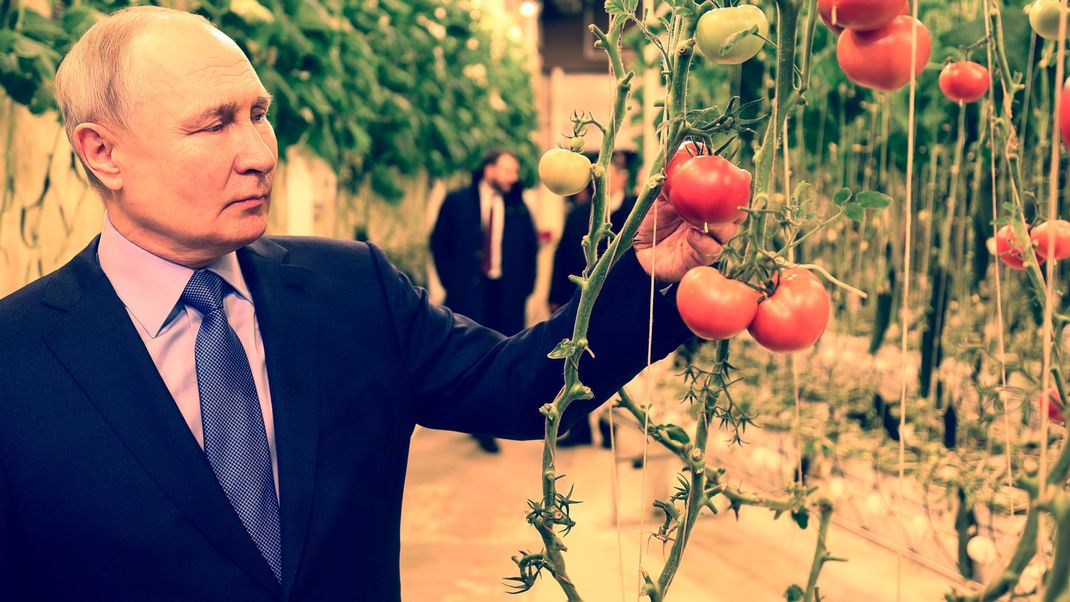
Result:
<point x="464" y="518"/>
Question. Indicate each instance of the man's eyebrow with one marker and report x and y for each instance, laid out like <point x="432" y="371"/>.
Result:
<point x="223" y="111"/>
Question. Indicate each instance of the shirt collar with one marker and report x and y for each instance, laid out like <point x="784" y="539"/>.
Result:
<point x="150" y="286"/>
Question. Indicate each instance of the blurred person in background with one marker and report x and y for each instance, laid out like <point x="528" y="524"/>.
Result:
<point x="484" y="246"/>
<point x="569" y="258"/>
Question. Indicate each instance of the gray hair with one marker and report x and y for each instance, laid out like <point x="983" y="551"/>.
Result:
<point x="91" y="83"/>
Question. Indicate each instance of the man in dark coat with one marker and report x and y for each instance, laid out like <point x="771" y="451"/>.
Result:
<point x="484" y="246"/>
<point x="194" y="411"/>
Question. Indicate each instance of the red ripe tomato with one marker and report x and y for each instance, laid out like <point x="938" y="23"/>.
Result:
<point x="1064" y="113"/>
<point x="1055" y="406"/>
<point x="710" y="190"/>
<point x="1009" y="250"/>
<point x="1055" y="233"/>
<point x="964" y="81"/>
<point x="860" y="15"/>
<point x="713" y="306"/>
<point x="795" y="315"/>
<point x="880" y="59"/>
<point x="686" y="151"/>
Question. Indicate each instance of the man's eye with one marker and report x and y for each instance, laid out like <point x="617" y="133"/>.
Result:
<point x="215" y="128"/>
<point x="259" y="117"/>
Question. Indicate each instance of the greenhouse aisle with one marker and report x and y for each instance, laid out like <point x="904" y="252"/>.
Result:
<point x="464" y="519"/>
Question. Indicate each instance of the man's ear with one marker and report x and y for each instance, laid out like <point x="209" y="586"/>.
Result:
<point x="95" y="145"/>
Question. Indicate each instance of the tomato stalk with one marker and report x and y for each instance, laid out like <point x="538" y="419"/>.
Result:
<point x="821" y="552"/>
<point x="788" y="94"/>
<point x="549" y="514"/>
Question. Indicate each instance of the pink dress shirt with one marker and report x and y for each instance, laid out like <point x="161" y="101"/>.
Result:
<point x="150" y="287"/>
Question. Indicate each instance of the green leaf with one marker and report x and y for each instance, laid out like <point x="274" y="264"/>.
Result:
<point x="737" y="38"/>
<point x="794" y="594"/>
<point x="872" y="199"/>
<point x="619" y="8"/>
<point x="842" y="196"/>
<point x="677" y="434"/>
<point x="801" y="517"/>
<point x="855" y="212"/>
<point x="566" y="348"/>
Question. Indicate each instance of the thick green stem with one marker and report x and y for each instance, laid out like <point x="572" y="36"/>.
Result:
<point x="821" y="552"/>
<point x="787" y="96"/>
<point x="597" y="271"/>
<point x="713" y="475"/>
<point x="696" y="498"/>
<point x="1055" y="586"/>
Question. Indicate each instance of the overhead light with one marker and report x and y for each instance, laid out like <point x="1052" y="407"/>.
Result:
<point x="529" y="8"/>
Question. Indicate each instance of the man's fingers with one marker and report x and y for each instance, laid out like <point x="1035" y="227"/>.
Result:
<point x="707" y="248"/>
<point x="724" y="232"/>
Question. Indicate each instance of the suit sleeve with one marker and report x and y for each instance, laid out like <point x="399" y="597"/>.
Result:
<point x="12" y="575"/>
<point x="464" y="377"/>
<point x="568" y="257"/>
<point x="531" y="253"/>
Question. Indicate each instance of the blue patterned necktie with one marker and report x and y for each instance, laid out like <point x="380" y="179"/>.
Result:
<point x="234" y="438"/>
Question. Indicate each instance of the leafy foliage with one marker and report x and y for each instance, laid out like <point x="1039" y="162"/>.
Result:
<point x="377" y="89"/>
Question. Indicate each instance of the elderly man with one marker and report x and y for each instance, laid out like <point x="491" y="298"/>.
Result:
<point x="193" y="411"/>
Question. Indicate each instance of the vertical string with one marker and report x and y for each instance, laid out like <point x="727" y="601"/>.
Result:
<point x="646" y="394"/>
<point x="997" y="266"/>
<point x="904" y="310"/>
<point x="615" y="491"/>
<point x="797" y="426"/>
<point x="1053" y="203"/>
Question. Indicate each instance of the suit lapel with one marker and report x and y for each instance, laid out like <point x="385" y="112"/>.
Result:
<point x="99" y="346"/>
<point x="286" y="316"/>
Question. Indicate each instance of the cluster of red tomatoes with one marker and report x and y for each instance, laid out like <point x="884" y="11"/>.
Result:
<point x="874" y="48"/>
<point x="709" y="190"/>
<point x="1050" y="237"/>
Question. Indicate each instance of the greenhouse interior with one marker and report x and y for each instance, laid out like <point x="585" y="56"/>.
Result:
<point x="534" y="300"/>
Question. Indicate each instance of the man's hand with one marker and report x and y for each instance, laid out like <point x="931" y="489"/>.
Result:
<point x="681" y="246"/>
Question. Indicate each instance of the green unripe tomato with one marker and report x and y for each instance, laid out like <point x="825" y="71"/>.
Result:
<point x="1044" y="17"/>
<point x="576" y="143"/>
<point x="718" y="26"/>
<point x="564" y="172"/>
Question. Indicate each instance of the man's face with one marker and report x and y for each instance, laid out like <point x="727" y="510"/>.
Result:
<point x="198" y="155"/>
<point x="503" y="174"/>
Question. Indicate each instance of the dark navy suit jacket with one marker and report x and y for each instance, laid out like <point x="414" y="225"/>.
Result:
<point x="105" y="494"/>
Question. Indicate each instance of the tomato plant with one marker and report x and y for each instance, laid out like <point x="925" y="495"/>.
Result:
<point x="1009" y="250"/>
<point x="795" y="315"/>
<point x="564" y="172"/>
<point x="860" y="15"/>
<point x="722" y="33"/>
<point x="715" y="307"/>
<point x="710" y="190"/>
<point x="964" y="81"/>
<point x="880" y="59"/>
<point x="1055" y="233"/>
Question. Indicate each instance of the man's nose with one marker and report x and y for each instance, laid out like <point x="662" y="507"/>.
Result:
<point x="257" y="154"/>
